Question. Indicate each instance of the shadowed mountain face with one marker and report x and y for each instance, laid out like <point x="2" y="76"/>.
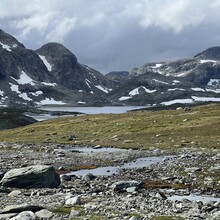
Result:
<point x="52" y="75"/>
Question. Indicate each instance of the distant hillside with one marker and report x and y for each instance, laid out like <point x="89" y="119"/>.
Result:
<point x="52" y="75"/>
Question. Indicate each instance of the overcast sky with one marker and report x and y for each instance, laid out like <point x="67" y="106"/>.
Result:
<point x="116" y="34"/>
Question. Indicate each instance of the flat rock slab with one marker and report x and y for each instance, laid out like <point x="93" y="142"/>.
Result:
<point x="38" y="176"/>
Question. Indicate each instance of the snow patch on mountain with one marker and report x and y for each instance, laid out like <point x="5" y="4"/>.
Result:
<point x="48" y="84"/>
<point x="1" y="93"/>
<point x="213" y="82"/>
<point x="176" y="89"/>
<point x="158" y="81"/>
<point x="178" y="101"/>
<point x="7" y="47"/>
<point x="25" y="96"/>
<point x="88" y="83"/>
<point x="15" y="88"/>
<point x="208" y="61"/>
<point x="80" y="102"/>
<point x="198" y="89"/>
<point x="46" y="63"/>
<point x="136" y="91"/>
<point x="50" y="101"/>
<point x="103" y="89"/>
<point x="205" y="99"/>
<point x="175" y="82"/>
<point x="124" y="98"/>
<point x="213" y="90"/>
<point x="24" y="79"/>
<point x="37" y="93"/>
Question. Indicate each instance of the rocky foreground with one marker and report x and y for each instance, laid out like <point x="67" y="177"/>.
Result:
<point x="32" y="189"/>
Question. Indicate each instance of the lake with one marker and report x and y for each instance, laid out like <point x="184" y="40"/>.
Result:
<point x="85" y="110"/>
<point x="94" y="110"/>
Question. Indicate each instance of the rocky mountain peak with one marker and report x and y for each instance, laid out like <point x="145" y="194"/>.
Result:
<point x="212" y="53"/>
<point x="57" y="54"/>
<point x="8" y="42"/>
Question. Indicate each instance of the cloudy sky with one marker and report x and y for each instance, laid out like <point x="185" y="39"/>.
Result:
<point x="116" y="34"/>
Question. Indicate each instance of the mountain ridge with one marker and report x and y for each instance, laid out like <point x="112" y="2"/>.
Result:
<point x="53" y="75"/>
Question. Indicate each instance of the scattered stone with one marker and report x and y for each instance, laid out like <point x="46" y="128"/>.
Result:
<point x="97" y="147"/>
<point x="127" y="141"/>
<point x="193" y="169"/>
<point x="65" y="177"/>
<point x="38" y="176"/>
<point x="123" y="185"/>
<point x="15" y="193"/>
<point x="44" y="214"/>
<point x="160" y="195"/>
<point x="26" y="215"/>
<point x="74" y="213"/>
<point x="88" y="176"/>
<point x="73" y="201"/>
<point x="134" y="218"/>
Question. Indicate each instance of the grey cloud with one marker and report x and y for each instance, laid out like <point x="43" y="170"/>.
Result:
<point x="116" y="34"/>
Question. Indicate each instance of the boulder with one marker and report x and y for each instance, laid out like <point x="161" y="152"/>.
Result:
<point x="44" y="214"/>
<point x="72" y="200"/>
<point x="37" y="176"/>
<point x="26" y="215"/>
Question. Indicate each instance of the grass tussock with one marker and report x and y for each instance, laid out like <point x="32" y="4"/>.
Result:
<point x="167" y="129"/>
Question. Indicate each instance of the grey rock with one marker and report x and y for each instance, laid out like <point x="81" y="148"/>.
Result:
<point x="193" y="169"/>
<point x="73" y="201"/>
<point x="65" y="177"/>
<point x="73" y="213"/>
<point x="31" y="177"/>
<point x="15" y="193"/>
<point x="20" y="208"/>
<point x="160" y="195"/>
<point x="44" y="214"/>
<point x="26" y="215"/>
<point x="123" y="185"/>
<point x="134" y="218"/>
<point x="88" y="176"/>
<point x="131" y="189"/>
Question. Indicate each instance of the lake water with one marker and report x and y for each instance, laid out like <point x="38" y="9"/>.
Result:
<point x="94" y="110"/>
<point x="85" y="110"/>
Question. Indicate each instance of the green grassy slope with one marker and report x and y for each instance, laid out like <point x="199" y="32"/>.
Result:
<point x="199" y="127"/>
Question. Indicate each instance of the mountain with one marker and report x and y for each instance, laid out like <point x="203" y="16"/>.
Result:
<point x="49" y="75"/>
<point x="183" y="81"/>
<point x="118" y="76"/>
<point x="53" y="75"/>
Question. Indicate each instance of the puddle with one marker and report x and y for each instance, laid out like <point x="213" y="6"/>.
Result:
<point x="193" y="197"/>
<point x="110" y="170"/>
<point x="97" y="150"/>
